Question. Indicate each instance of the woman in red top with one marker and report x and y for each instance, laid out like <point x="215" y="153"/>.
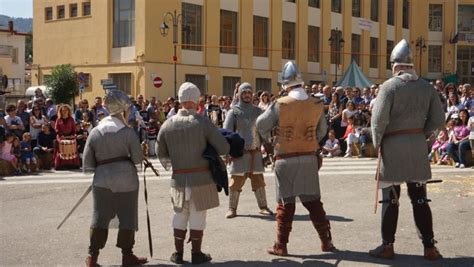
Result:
<point x="65" y="154"/>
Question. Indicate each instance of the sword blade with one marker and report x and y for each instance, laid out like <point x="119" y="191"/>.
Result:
<point x="88" y="190"/>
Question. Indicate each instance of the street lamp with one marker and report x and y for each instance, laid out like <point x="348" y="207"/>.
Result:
<point x="337" y="43"/>
<point x="164" y="28"/>
<point x="420" y="46"/>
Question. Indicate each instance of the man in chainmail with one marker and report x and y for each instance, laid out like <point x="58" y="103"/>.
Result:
<point x="241" y="119"/>
<point x="300" y="125"/>
<point x="406" y="111"/>
<point x="181" y="142"/>
<point x="112" y="150"/>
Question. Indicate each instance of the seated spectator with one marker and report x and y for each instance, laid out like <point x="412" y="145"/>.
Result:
<point x="331" y="148"/>
<point x="2" y="129"/>
<point x="16" y="151"/>
<point x="440" y="147"/>
<point x="27" y="156"/>
<point x="351" y="136"/>
<point x="51" y="112"/>
<point x="215" y="112"/>
<point x="46" y="142"/>
<point x="459" y="140"/>
<point x="37" y="120"/>
<point x="81" y="137"/>
<point x="6" y="152"/>
<point x="454" y="105"/>
<point x="13" y="122"/>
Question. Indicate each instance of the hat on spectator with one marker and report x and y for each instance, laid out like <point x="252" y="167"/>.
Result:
<point x="116" y="102"/>
<point x="188" y="92"/>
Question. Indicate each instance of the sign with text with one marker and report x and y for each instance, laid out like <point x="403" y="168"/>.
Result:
<point x="365" y="24"/>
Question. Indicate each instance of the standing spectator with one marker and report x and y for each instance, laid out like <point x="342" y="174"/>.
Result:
<point x="23" y="114"/>
<point x="357" y="95"/>
<point x="13" y="122"/>
<point x="38" y="94"/>
<point x="334" y="114"/>
<point x="66" y="152"/>
<point x="27" y="157"/>
<point x="327" y="98"/>
<point x="139" y="103"/>
<point x="201" y="109"/>
<point x="51" y="110"/>
<point x="6" y="149"/>
<point x="174" y="110"/>
<point x="215" y="112"/>
<point x="439" y="85"/>
<point x="374" y="89"/>
<point x="349" y="111"/>
<point x="265" y="101"/>
<point x="459" y="141"/>
<point x="465" y="98"/>
<point x="37" y="120"/>
<point x="97" y="108"/>
<point x="83" y="108"/>
<point x="152" y="133"/>
<point x="372" y="102"/>
<point x="151" y="108"/>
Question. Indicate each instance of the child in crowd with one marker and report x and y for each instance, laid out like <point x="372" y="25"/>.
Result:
<point x="331" y="147"/>
<point x="6" y="152"/>
<point x="81" y="137"/>
<point x="440" y="147"/>
<point x="152" y="133"/>
<point x="27" y="157"/>
<point x="16" y="150"/>
<point x="351" y="136"/>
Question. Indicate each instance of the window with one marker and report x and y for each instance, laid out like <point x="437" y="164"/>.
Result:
<point x="391" y="12"/>
<point x="374" y="49"/>
<point x="291" y="1"/>
<point x="355" y="48"/>
<point x="434" y="58"/>
<point x="314" y="3"/>
<point x="228" y="32"/>
<point x="263" y="84"/>
<point x="313" y="44"/>
<point x="374" y="10"/>
<point x="124" y="23"/>
<point x="73" y="10"/>
<point x="260" y="36"/>
<point x="86" y="9"/>
<point x="61" y="12"/>
<point x="336" y="46"/>
<point x="123" y="82"/>
<point x="336" y="6"/>
<point x="466" y="20"/>
<point x="390" y="46"/>
<point x="198" y="80"/>
<point x="228" y="85"/>
<point x="288" y="40"/>
<point x="406" y="14"/>
<point x="435" y="17"/>
<point x="356" y="8"/>
<point x="48" y="13"/>
<point x="192" y="33"/>
<point x="14" y="55"/>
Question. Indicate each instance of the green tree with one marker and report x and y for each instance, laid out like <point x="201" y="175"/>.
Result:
<point x="63" y="84"/>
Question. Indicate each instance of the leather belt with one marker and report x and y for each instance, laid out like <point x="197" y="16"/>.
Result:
<point x="107" y="161"/>
<point x="403" y="132"/>
<point x="295" y="154"/>
<point x="191" y="170"/>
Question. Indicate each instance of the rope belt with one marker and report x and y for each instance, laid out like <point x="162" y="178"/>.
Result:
<point x="295" y="154"/>
<point x="107" y="161"/>
<point x="403" y="132"/>
<point x="191" y="170"/>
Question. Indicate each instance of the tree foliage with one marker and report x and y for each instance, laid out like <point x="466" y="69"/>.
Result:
<point x="63" y="84"/>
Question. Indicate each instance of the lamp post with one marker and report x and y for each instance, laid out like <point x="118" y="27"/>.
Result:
<point x="164" y="28"/>
<point x="337" y="43"/>
<point x="420" y="45"/>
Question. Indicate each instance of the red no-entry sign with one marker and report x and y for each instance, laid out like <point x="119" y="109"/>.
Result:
<point x="157" y="82"/>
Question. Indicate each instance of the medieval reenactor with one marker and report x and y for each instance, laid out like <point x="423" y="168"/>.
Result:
<point x="242" y="120"/>
<point x="407" y="110"/>
<point x="299" y="124"/>
<point x="112" y="150"/>
<point x="181" y="141"/>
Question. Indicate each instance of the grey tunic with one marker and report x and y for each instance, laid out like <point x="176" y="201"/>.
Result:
<point x="296" y="176"/>
<point x="117" y="176"/>
<point x="405" y="102"/>
<point x="181" y="141"/>
<point x="242" y="120"/>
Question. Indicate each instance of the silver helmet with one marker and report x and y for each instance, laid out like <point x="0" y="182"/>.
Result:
<point x="401" y="54"/>
<point x="290" y="75"/>
<point x="117" y="102"/>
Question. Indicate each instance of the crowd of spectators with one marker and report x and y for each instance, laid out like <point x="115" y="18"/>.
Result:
<point x="39" y="129"/>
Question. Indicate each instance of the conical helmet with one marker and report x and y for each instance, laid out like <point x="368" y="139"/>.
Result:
<point x="401" y="54"/>
<point x="290" y="74"/>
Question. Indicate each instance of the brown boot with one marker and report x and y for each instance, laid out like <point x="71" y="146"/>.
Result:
<point x="324" y="231"/>
<point x="197" y="256"/>
<point x="278" y="249"/>
<point x="179" y="237"/>
<point x="383" y="251"/>
<point x="91" y="261"/>
<point x="231" y="213"/>
<point x="432" y="254"/>
<point x="132" y="260"/>
<point x="125" y="241"/>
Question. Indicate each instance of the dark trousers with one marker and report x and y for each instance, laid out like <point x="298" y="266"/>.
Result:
<point x="458" y="151"/>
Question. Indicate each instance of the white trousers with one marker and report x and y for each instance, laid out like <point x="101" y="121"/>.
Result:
<point x="189" y="216"/>
<point x="352" y="138"/>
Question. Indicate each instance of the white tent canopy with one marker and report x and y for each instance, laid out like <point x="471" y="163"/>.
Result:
<point x="31" y="90"/>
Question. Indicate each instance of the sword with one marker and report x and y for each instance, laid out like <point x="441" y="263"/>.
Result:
<point x="88" y="190"/>
<point x="147" y="164"/>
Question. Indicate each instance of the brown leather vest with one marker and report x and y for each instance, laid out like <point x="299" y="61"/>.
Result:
<point x="298" y="120"/>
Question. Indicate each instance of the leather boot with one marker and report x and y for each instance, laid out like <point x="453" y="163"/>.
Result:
<point x="278" y="249"/>
<point x="197" y="256"/>
<point x="324" y="231"/>
<point x="432" y="254"/>
<point x="91" y="261"/>
<point x="284" y="218"/>
<point x="384" y="251"/>
<point x="233" y="203"/>
<point x="125" y="241"/>
<point x="179" y="237"/>
<point x="261" y="197"/>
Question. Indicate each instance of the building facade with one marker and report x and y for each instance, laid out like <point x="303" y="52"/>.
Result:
<point x="221" y="42"/>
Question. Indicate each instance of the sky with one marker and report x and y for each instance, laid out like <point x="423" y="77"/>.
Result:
<point x="17" y="8"/>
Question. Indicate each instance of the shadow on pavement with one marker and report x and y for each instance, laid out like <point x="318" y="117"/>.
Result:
<point x="334" y="218"/>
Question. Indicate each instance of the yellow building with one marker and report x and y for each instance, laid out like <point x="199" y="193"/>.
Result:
<point x="221" y="42"/>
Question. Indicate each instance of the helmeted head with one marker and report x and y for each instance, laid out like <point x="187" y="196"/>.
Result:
<point x="245" y="93"/>
<point x="118" y="104"/>
<point x="290" y="75"/>
<point x="188" y="93"/>
<point x="401" y="55"/>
